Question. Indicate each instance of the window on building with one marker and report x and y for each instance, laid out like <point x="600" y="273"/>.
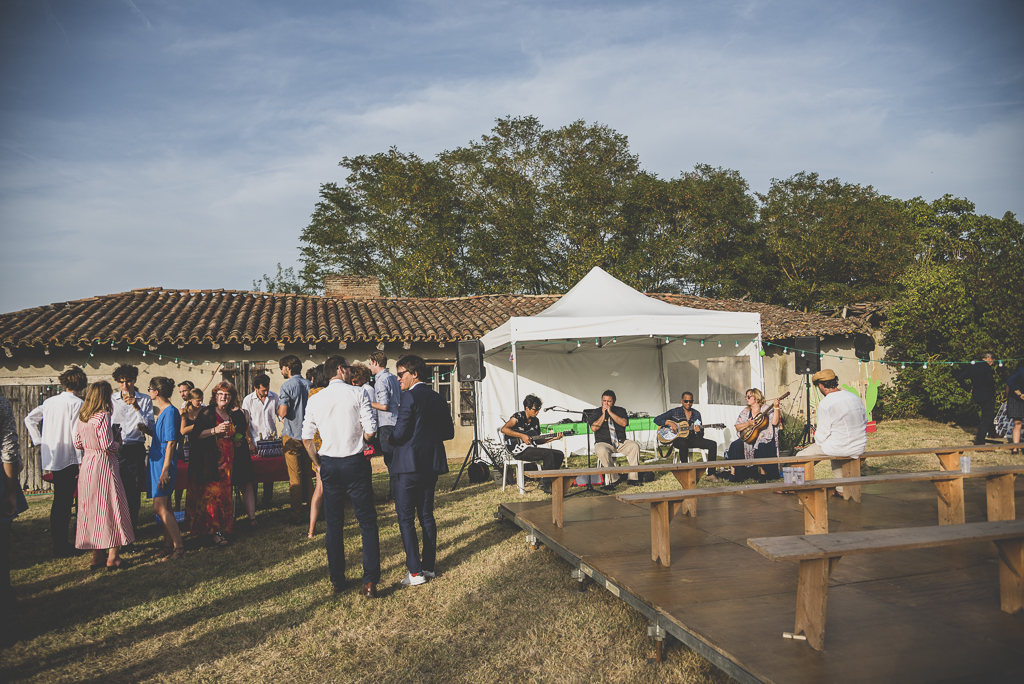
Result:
<point x="443" y="380"/>
<point x="728" y="379"/>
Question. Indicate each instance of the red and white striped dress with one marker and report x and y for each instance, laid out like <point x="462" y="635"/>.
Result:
<point x="103" y="518"/>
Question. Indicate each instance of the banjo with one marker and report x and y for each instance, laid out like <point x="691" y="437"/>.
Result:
<point x="666" y="434"/>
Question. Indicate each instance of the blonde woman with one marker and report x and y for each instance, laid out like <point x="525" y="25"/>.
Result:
<point x="765" y="446"/>
<point x="104" y="523"/>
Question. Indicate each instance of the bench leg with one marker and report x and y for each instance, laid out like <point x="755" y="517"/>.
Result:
<point x="811" y="597"/>
<point x="951" y="501"/>
<point x="1011" y="574"/>
<point x="559" y="488"/>
<point x="661" y="516"/>
<point x="815" y="503"/>
<point x="999" y="495"/>
<point x="851" y="469"/>
<point x="950" y="460"/>
<point x="688" y="480"/>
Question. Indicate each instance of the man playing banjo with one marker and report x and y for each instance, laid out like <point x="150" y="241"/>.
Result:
<point x="686" y="422"/>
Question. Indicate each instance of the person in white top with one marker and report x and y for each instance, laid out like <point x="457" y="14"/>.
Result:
<point x="262" y="407"/>
<point x="842" y="423"/>
<point x="345" y="420"/>
<point x="134" y="413"/>
<point x="51" y="425"/>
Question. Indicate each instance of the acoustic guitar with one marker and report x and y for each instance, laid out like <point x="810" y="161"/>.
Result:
<point x="666" y="434"/>
<point x="749" y="434"/>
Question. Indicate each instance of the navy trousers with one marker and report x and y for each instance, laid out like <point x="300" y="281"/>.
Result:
<point x="414" y="499"/>
<point x="349" y="475"/>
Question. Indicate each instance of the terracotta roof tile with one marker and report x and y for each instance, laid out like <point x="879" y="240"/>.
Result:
<point x="154" y="316"/>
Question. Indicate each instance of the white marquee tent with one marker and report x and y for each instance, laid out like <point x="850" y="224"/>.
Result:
<point x="603" y="334"/>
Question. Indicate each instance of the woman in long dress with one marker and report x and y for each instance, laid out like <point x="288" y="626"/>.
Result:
<point x="163" y="466"/>
<point x="212" y="441"/>
<point x="104" y="523"/>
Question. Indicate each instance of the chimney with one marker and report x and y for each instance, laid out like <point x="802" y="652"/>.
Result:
<point x="342" y="286"/>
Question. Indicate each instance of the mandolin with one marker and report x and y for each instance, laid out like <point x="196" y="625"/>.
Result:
<point x="749" y="434"/>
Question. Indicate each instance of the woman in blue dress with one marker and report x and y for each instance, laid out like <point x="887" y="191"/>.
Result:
<point x="163" y="465"/>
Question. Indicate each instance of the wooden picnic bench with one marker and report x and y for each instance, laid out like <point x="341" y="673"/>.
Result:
<point x="814" y="496"/>
<point x="685" y="473"/>
<point x="819" y="555"/>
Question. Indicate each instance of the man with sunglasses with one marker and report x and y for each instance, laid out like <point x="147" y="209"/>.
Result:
<point x="695" y="439"/>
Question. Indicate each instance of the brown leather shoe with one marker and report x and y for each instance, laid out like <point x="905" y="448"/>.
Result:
<point x="369" y="590"/>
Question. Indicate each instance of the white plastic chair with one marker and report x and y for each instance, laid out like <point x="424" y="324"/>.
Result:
<point x="520" y="467"/>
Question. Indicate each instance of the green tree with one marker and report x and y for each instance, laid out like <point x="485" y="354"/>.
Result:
<point x="957" y="300"/>
<point x="285" y="281"/>
<point x="831" y="243"/>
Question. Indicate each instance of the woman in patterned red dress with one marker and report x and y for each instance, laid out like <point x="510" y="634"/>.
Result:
<point x="217" y="430"/>
<point x="104" y="523"/>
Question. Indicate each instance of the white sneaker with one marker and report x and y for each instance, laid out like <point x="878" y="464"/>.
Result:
<point x="429" y="574"/>
<point x="412" y="580"/>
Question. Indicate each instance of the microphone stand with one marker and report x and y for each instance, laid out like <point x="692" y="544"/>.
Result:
<point x="589" y="486"/>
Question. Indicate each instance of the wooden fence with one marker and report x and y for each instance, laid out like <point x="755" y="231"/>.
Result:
<point x="24" y="398"/>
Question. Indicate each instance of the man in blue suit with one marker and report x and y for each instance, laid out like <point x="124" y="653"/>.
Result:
<point x="424" y="423"/>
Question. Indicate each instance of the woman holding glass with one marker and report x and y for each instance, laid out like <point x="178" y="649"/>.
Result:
<point x="219" y="430"/>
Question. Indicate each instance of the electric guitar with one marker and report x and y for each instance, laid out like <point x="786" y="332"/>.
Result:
<point x="516" y="445"/>
<point x="749" y="434"/>
<point x="666" y="434"/>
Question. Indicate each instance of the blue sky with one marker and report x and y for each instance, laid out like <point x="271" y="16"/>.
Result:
<point x="182" y="144"/>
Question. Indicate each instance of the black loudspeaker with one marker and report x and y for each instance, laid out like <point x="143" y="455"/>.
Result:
<point x="808" y="359"/>
<point x="471" y="361"/>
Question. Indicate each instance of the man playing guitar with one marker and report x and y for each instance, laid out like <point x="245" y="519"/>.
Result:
<point x="522" y="428"/>
<point x="695" y="438"/>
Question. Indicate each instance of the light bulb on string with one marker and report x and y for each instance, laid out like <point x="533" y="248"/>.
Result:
<point x="925" y="364"/>
<point x="719" y="344"/>
<point x="737" y="343"/>
<point x="684" y="342"/>
<point x="702" y="343"/>
<point x="578" y="344"/>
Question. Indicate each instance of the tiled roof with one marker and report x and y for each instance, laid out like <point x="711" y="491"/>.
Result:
<point x="155" y="316"/>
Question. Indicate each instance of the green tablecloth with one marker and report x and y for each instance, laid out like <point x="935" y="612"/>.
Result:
<point x="635" y="425"/>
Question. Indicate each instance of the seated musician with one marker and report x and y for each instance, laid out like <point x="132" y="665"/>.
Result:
<point x="695" y="439"/>
<point x="765" y="446"/>
<point x="522" y="429"/>
<point x="610" y="437"/>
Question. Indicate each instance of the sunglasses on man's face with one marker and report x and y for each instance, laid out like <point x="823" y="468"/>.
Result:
<point x="687" y="401"/>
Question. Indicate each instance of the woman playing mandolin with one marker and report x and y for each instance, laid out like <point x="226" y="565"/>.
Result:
<point x="757" y="426"/>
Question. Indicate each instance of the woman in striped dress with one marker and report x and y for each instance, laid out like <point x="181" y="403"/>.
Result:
<point x="104" y="523"/>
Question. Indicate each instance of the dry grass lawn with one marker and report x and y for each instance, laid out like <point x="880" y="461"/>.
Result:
<point x="261" y="610"/>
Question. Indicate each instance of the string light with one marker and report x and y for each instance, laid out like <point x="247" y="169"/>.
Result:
<point x="684" y="341"/>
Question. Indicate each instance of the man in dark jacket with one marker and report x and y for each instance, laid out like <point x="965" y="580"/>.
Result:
<point x="424" y="424"/>
<point x="979" y="380"/>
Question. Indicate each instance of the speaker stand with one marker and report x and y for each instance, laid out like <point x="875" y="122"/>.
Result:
<point x="805" y="435"/>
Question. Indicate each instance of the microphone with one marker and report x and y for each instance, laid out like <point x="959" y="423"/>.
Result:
<point x="549" y="408"/>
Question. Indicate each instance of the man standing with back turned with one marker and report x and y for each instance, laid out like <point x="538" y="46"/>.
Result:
<point x="291" y="410"/>
<point x="342" y="415"/>
<point x="424" y="424"/>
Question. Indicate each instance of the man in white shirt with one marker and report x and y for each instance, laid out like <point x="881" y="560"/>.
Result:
<point x="842" y="423"/>
<point x="134" y="413"/>
<point x="262" y="406"/>
<point x="342" y="414"/>
<point x="51" y="425"/>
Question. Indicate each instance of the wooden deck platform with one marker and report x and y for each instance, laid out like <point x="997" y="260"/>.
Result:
<point x="928" y="615"/>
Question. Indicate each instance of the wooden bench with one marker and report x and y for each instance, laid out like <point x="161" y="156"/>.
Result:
<point x="819" y="555"/>
<point x="814" y="496"/>
<point x="685" y="473"/>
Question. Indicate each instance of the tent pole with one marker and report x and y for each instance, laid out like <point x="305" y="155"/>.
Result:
<point x="515" y="376"/>
<point x="760" y="360"/>
<point x="664" y="376"/>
